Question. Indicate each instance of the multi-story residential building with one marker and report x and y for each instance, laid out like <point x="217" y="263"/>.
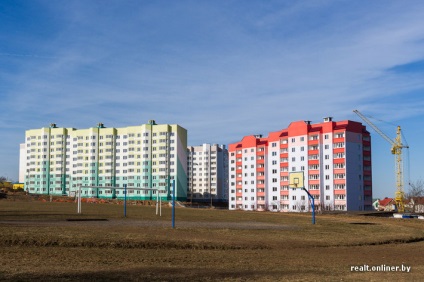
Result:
<point x="207" y="173"/>
<point x="335" y="158"/>
<point x="59" y="160"/>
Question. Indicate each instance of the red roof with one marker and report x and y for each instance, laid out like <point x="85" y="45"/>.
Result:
<point x="419" y="200"/>
<point x="385" y="201"/>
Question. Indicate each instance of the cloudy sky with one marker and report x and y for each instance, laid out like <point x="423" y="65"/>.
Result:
<point x="222" y="69"/>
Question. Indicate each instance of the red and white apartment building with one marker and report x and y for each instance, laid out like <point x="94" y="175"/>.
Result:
<point x="335" y="158"/>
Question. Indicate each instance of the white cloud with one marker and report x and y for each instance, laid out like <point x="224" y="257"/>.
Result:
<point x="221" y="70"/>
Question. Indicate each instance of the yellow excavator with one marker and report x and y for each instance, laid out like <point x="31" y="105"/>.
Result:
<point x="396" y="150"/>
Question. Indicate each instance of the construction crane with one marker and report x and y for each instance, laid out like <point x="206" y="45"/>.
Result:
<point x="396" y="150"/>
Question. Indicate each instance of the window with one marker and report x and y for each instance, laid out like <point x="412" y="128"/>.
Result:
<point x="314" y="167"/>
<point x="339" y="145"/>
<point x="339" y="176"/>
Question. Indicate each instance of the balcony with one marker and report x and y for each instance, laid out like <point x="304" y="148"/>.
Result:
<point x="339" y="181"/>
<point x="313" y="141"/>
<point x="284" y="155"/>
<point x="284" y="165"/>
<point x="313" y="181"/>
<point x="339" y="202"/>
<point x="313" y="152"/>
<point x="261" y="202"/>
<point x="260" y="177"/>
<point x="339" y="171"/>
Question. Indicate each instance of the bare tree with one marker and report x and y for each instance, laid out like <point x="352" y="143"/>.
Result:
<point x="301" y="206"/>
<point x="326" y="207"/>
<point x="415" y="191"/>
<point x="2" y="180"/>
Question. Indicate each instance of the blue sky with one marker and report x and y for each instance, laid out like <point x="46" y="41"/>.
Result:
<point x="221" y="69"/>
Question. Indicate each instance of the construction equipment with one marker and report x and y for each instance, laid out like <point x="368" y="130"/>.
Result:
<point x="396" y="150"/>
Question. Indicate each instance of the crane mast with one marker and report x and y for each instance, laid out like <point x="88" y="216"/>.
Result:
<point x="396" y="150"/>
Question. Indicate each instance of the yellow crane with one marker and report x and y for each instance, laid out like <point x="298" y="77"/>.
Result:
<point x="396" y="150"/>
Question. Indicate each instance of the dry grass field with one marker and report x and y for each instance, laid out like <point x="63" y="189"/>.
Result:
<point x="50" y="242"/>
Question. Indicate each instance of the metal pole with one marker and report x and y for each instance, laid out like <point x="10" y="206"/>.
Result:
<point x="173" y="203"/>
<point x="157" y="201"/>
<point x="312" y="203"/>
<point x="125" y="200"/>
<point x="79" y="199"/>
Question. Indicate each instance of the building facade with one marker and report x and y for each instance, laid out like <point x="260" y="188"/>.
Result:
<point x="207" y="173"/>
<point x="335" y="158"/>
<point x="59" y="160"/>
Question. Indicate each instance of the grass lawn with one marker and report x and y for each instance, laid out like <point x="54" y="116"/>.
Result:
<point x="50" y="241"/>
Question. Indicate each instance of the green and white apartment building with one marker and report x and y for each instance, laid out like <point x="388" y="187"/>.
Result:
<point x="56" y="161"/>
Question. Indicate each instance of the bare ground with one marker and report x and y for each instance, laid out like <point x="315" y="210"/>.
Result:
<point x="38" y="242"/>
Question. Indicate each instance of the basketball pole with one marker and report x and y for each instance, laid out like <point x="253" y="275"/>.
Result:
<point x="312" y="204"/>
<point x="297" y="180"/>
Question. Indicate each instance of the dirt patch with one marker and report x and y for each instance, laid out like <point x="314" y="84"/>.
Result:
<point x="38" y="243"/>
